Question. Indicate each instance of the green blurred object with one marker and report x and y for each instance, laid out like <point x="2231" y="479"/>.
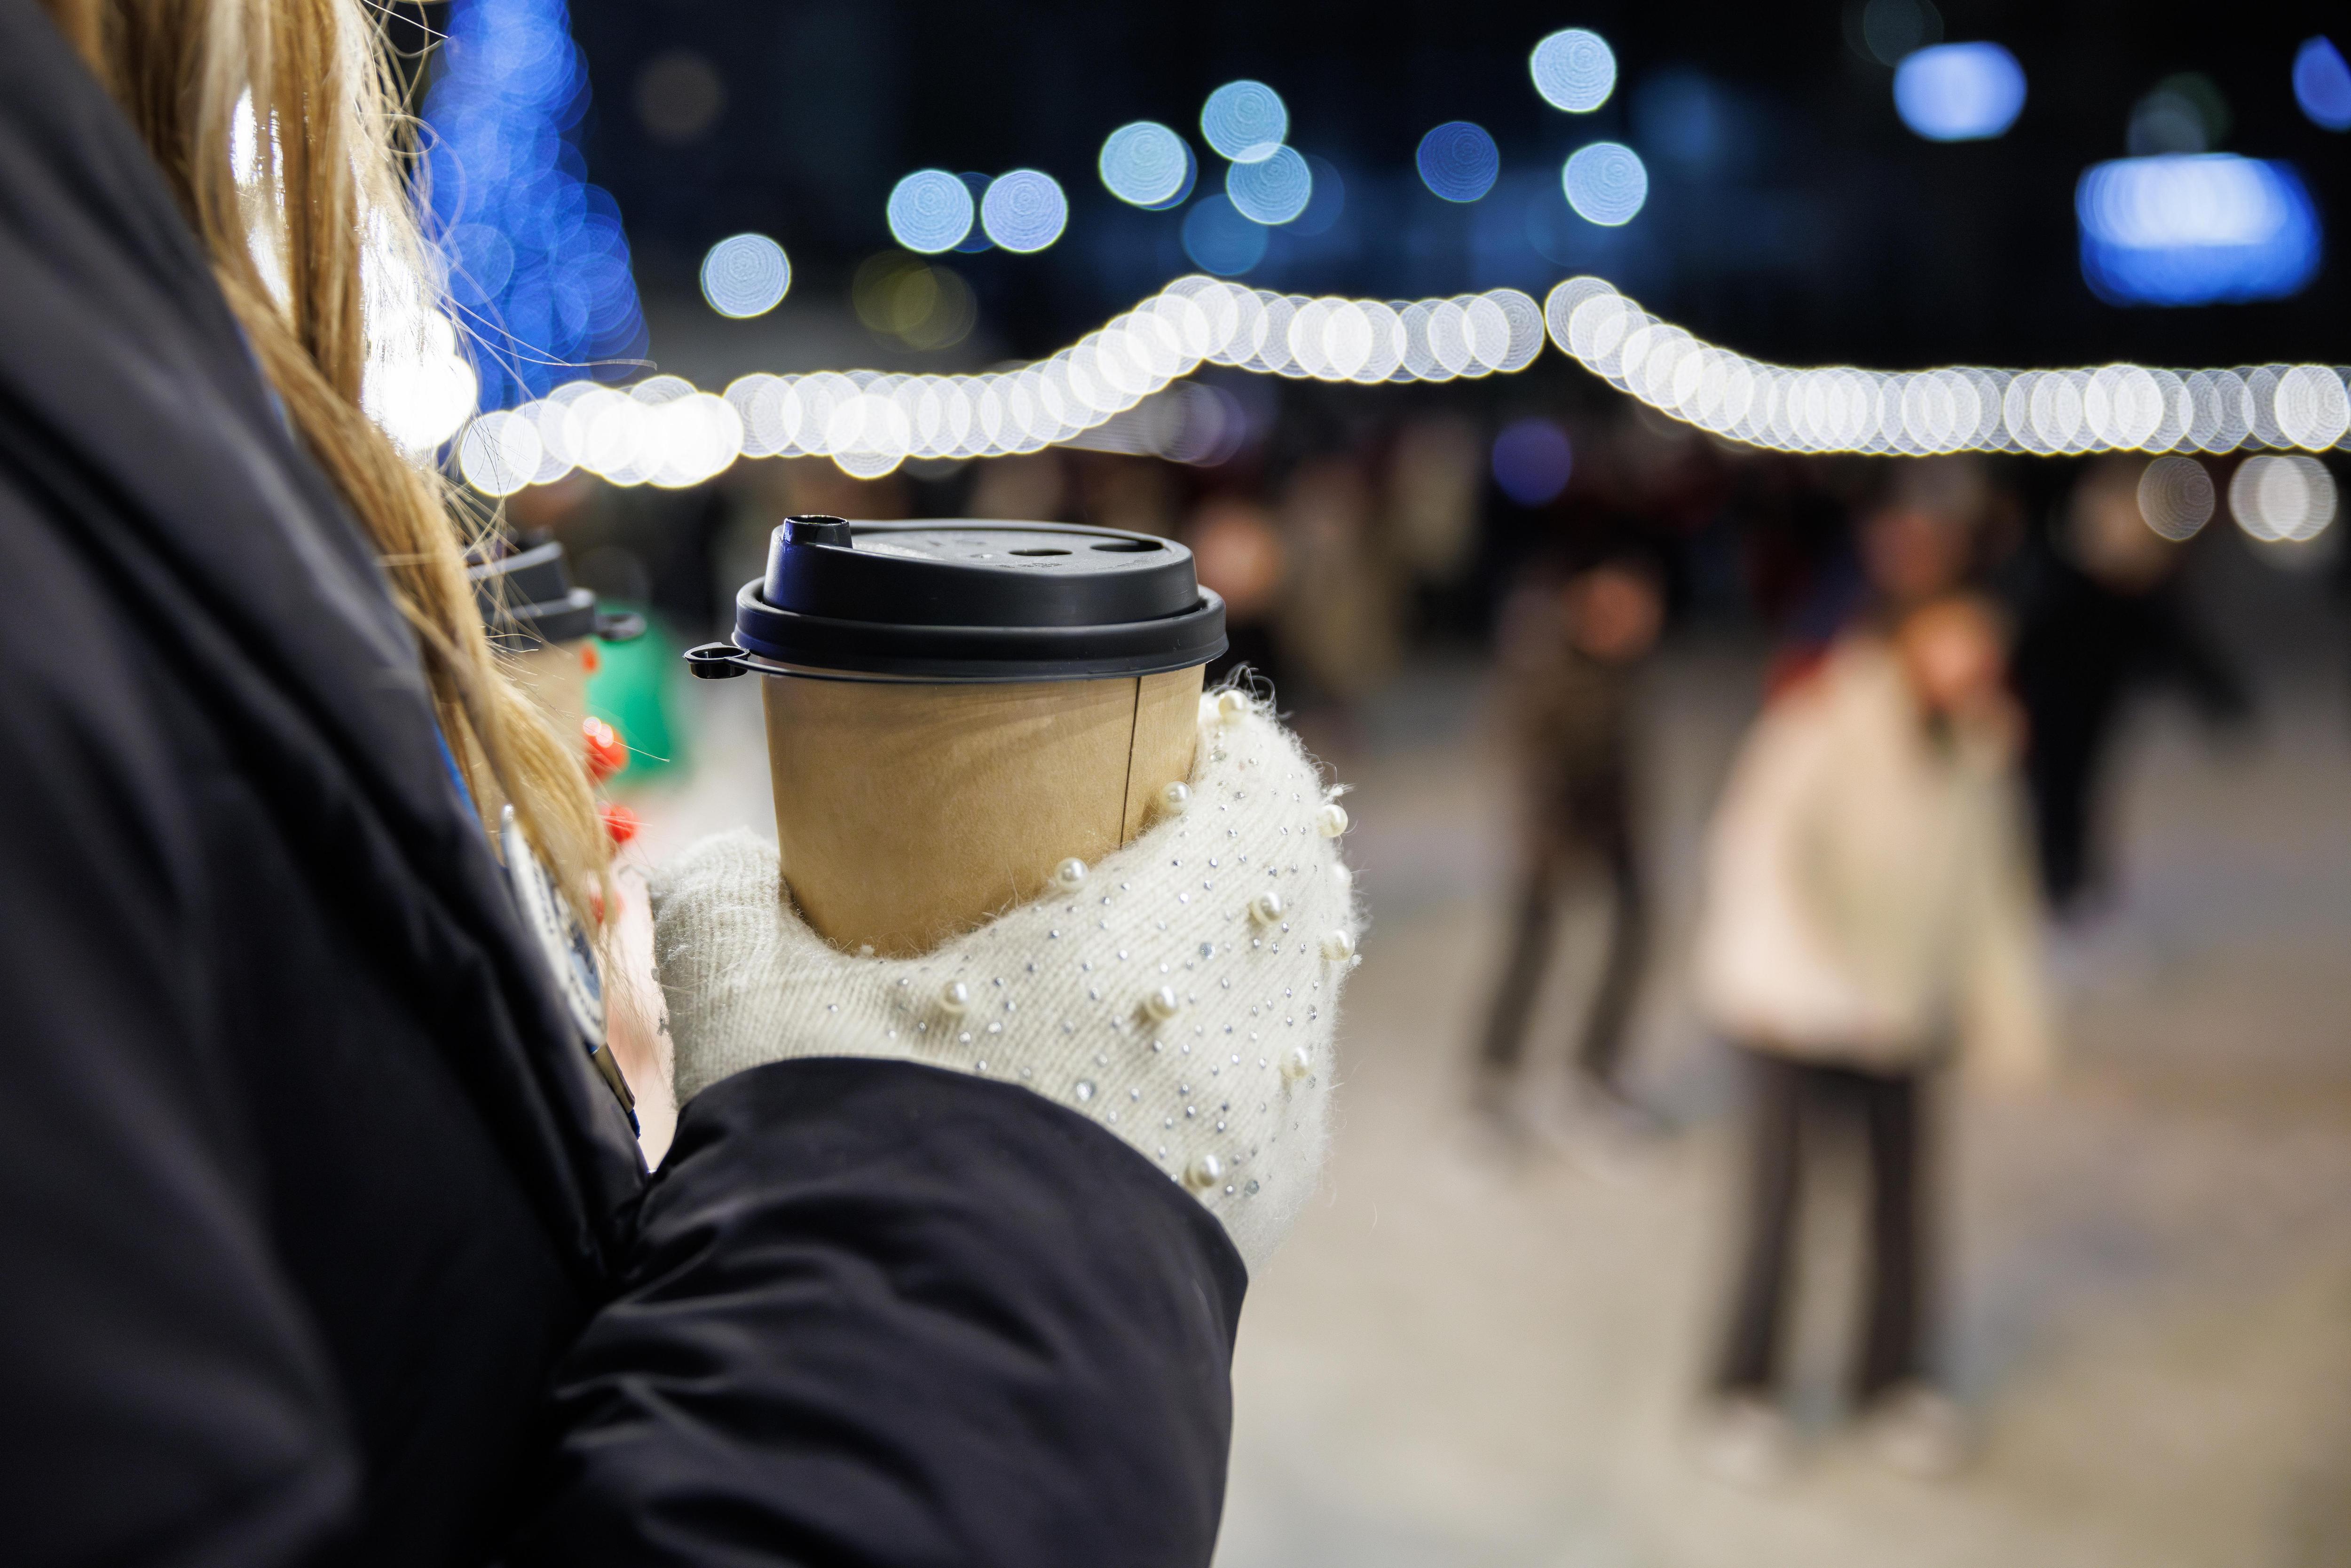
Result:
<point x="631" y="692"/>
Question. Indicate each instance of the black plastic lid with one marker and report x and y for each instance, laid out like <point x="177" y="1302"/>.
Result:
<point x="524" y="591"/>
<point x="955" y="599"/>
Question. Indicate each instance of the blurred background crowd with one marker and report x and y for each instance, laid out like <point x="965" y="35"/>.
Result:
<point x="1850" y="1061"/>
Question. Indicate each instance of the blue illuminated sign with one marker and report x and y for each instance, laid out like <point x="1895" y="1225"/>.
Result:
<point x="2202" y="228"/>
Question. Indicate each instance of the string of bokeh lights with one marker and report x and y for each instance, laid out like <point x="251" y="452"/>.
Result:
<point x="665" y="431"/>
<point x="1959" y="408"/>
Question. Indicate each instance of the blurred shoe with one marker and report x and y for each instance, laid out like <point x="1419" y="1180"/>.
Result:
<point x="1604" y="1134"/>
<point x="1493" y="1094"/>
<point x="1626" y="1118"/>
<point x="1919" y="1431"/>
<point x="1743" y="1440"/>
<point x="1500" y="1134"/>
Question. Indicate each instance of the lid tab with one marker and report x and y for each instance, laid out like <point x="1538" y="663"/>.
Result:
<point x="815" y="530"/>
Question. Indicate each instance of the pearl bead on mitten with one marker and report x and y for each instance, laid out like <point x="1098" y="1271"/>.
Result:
<point x="1183" y="993"/>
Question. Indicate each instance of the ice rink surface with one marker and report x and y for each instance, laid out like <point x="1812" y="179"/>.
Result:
<point x="1466" y="1360"/>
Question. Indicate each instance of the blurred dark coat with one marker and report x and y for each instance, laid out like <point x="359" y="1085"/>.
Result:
<point x="1568" y="721"/>
<point x="323" y="1243"/>
<point x="2082" y="649"/>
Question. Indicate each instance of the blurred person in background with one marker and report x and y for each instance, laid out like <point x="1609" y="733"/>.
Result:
<point x="2104" y="617"/>
<point x="1341" y="620"/>
<point x="1919" y="536"/>
<point x="1434" y="473"/>
<point x="1570" y="651"/>
<point x="328" y="1237"/>
<point x="1868" y="912"/>
<point x="1029" y="487"/>
<point x="1238" y="555"/>
<point x="1923" y="538"/>
<point x="1119" y="491"/>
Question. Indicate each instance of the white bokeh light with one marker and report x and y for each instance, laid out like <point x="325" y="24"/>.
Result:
<point x="2176" y="498"/>
<point x="415" y="384"/>
<point x="2283" y="500"/>
<point x="1574" y="69"/>
<point x="420" y="391"/>
<point x="746" y="275"/>
<point x="2311" y="409"/>
<point x="1024" y="211"/>
<point x="1607" y="184"/>
<point x="1145" y="165"/>
<point x="930" y="210"/>
<point x="500" y="452"/>
<point x="1245" y="120"/>
<point x="1273" y="190"/>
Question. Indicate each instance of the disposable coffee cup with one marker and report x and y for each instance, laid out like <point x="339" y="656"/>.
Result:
<point x="956" y="708"/>
<point x="545" y="625"/>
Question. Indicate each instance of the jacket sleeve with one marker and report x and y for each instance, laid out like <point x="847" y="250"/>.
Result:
<point x="879" y="1313"/>
<point x="168" y="1399"/>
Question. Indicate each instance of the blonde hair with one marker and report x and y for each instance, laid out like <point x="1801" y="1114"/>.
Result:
<point x="320" y="215"/>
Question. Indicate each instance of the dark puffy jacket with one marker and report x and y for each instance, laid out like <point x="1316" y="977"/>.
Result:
<point x="321" y="1240"/>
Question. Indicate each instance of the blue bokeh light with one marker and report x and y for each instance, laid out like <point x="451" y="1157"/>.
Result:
<point x="1272" y="190"/>
<point x="1533" y="461"/>
<point x="1219" y="239"/>
<point x="1024" y="211"/>
<point x="2195" y="229"/>
<point x="538" y="265"/>
<point x="1245" y="122"/>
<point x="929" y="211"/>
<point x="1574" y="70"/>
<point x="746" y="275"/>
<point x="481" y="259"/>
<point x="1459" y="162"/>
<point x="1959" y="92"/>
<point x="1684" y="117"/>
<point x="1605" y="184"/>
<point x="2322" y="84"/>
<point x="1148" y="165"/>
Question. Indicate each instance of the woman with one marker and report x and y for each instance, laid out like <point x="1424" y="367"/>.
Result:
<point x="1868" y="906"/>
<point x="325" y="1241"/>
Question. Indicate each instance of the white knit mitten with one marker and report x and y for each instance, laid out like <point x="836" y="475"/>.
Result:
<point x="1183" y="993"/>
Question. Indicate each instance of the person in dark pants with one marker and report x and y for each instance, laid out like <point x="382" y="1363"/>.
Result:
<point x="1867" y="903"/>
<point x="2104" y="619"/>
<point x="1571" y="653"/>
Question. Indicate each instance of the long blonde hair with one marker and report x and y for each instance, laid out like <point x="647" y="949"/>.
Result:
<point x="290" y="236"/>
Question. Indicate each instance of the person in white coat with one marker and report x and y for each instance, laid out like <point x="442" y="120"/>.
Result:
<point x="1869" y="913"/>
